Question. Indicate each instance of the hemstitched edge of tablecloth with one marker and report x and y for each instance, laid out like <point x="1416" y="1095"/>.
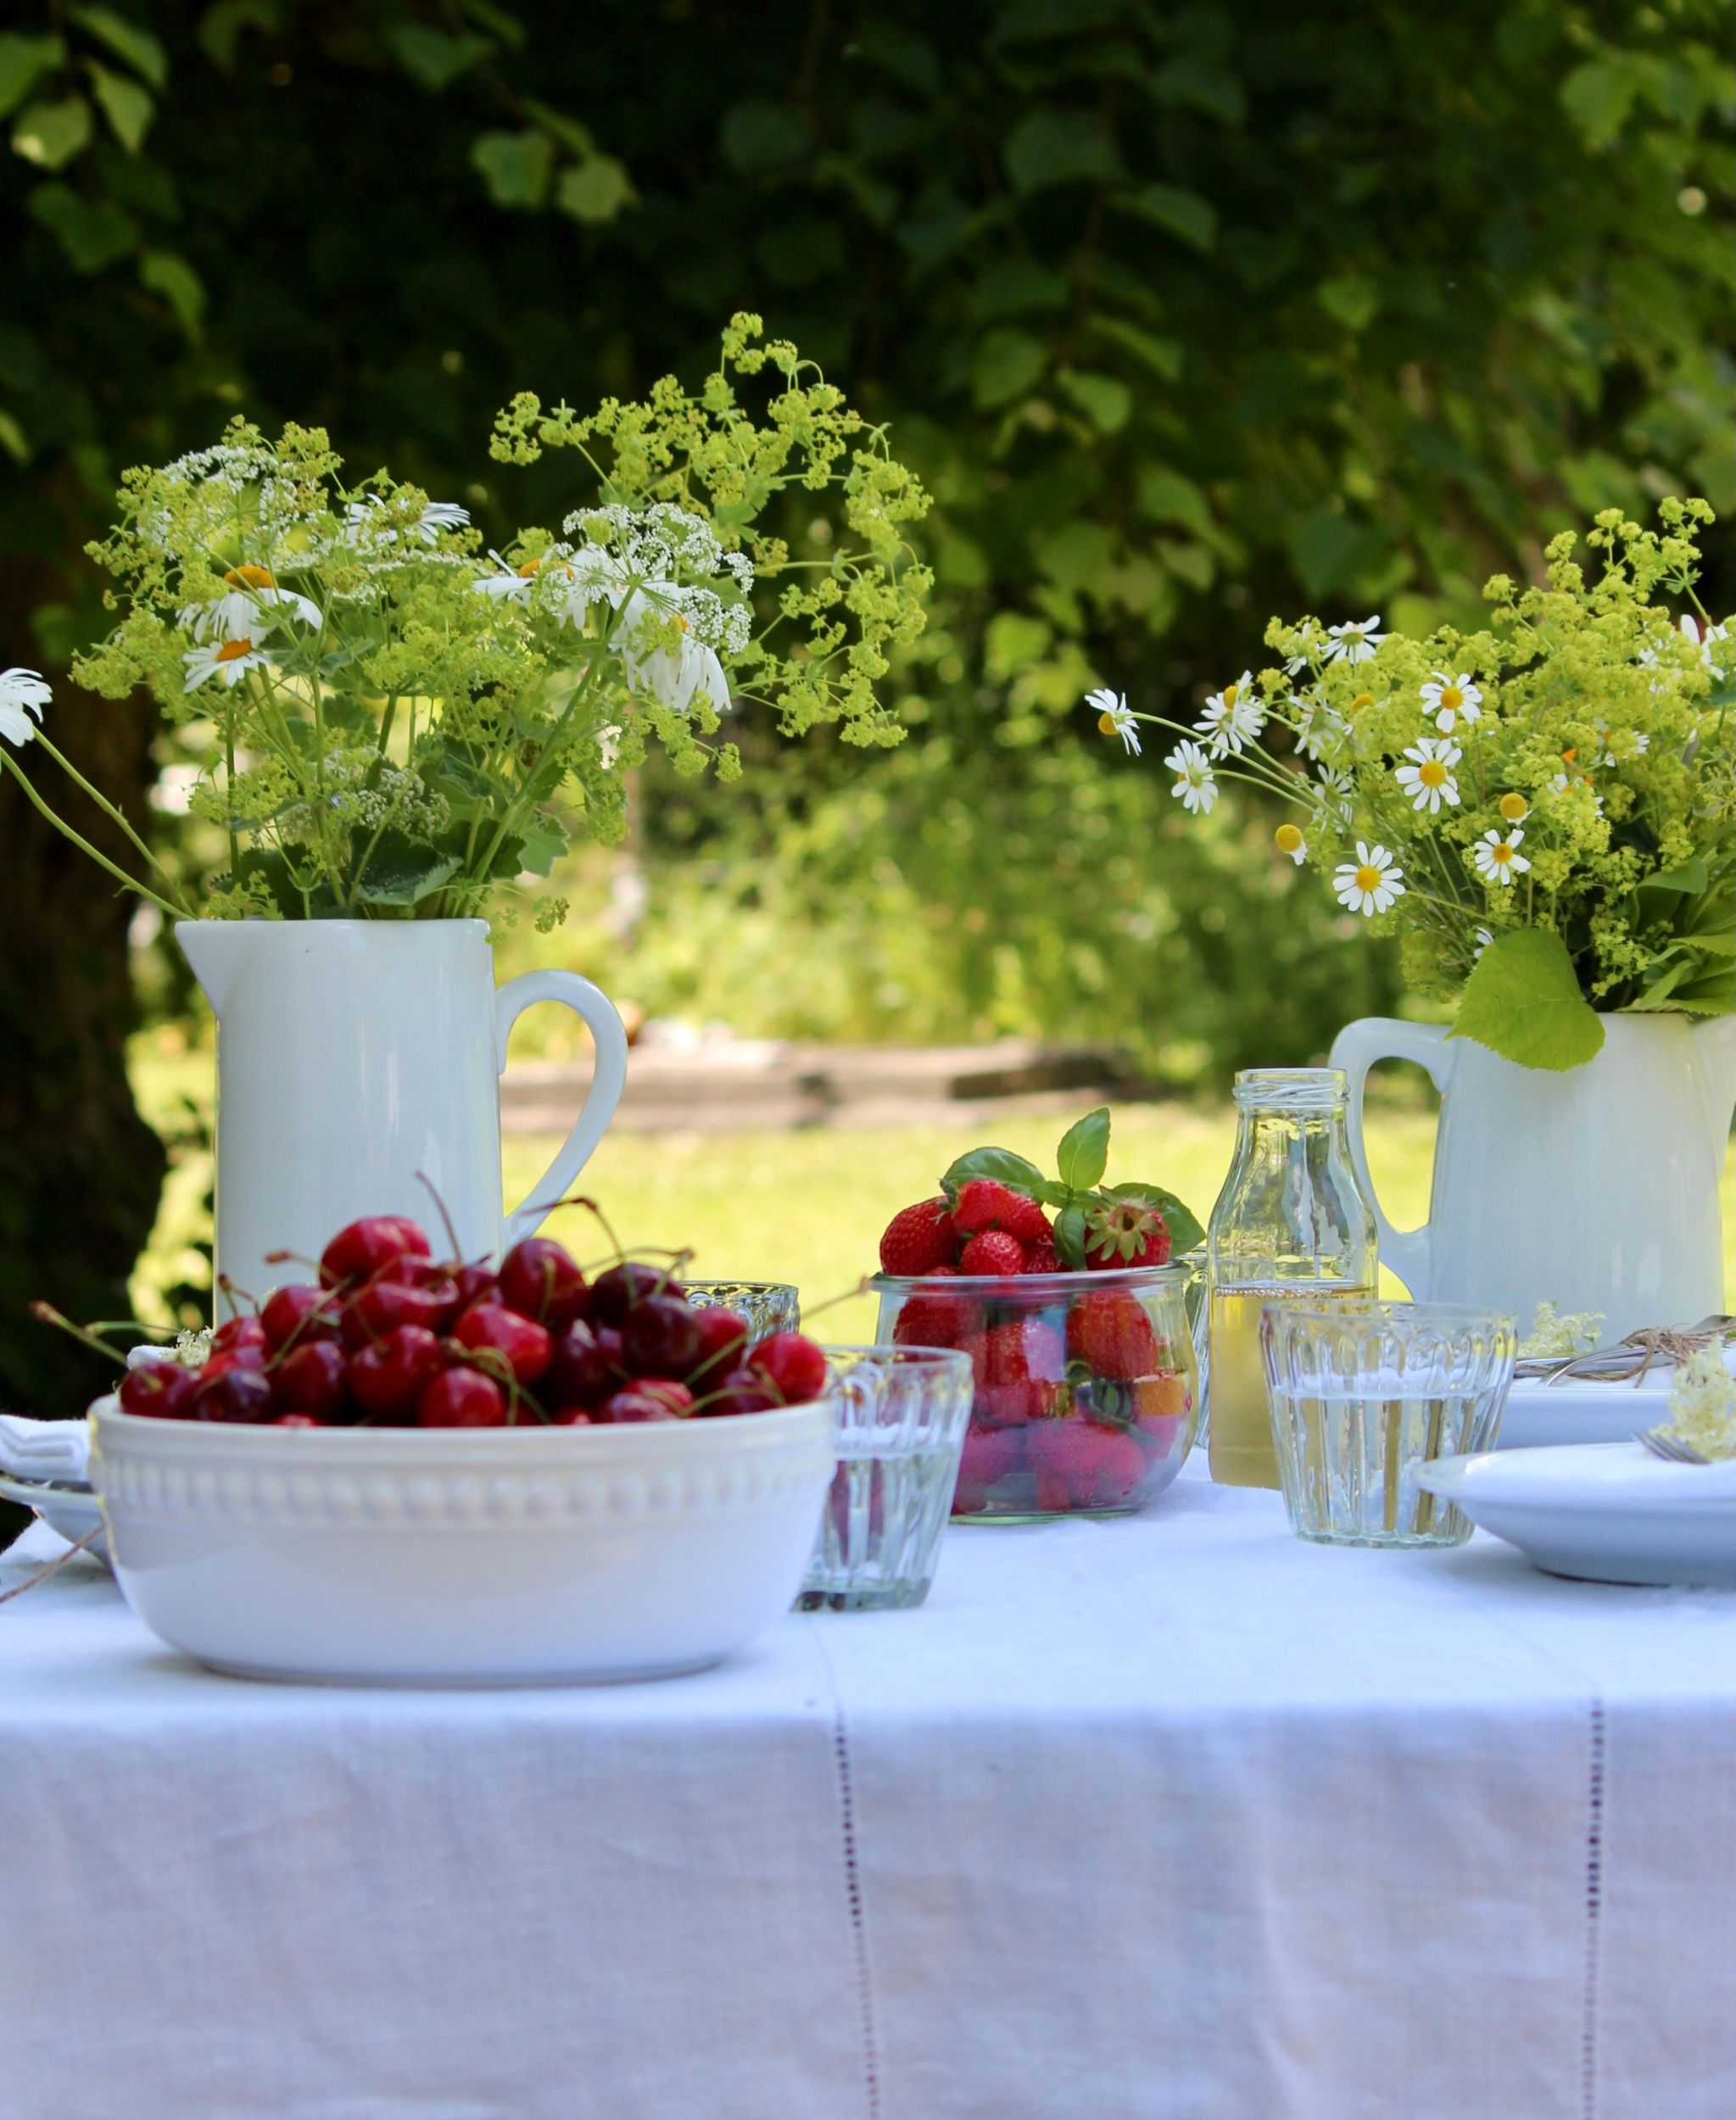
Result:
<point x="1594" y="1917"/>
<point x="868" y="2009"/>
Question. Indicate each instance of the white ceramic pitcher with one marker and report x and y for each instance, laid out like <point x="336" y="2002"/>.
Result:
<point x="1596" y="1189"/>
<point x="352" y="1055"/>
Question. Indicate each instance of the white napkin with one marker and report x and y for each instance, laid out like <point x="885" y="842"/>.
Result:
<point x="44" y="1449"/>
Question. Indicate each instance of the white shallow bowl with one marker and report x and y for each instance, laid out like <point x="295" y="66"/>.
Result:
<point x="71" y="1511"/>
<point x="462" y="1556"/>
<point x="1607" y="1512"/>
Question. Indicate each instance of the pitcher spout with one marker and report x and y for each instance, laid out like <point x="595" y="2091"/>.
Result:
<point x="1715" y="1051"/>
<point x="215" y="949"/>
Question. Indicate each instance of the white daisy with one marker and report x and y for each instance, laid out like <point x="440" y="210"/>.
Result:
<point x="1561" y="781"/>
<point x="1483" y="939"/>
<point x="1115" y="716"/>
<point x="1428" y="781"/>
<point x="229" y="659"/>
<point x="1496" y="857"/>
<point x="248" y="613"/>
<point x="1354" y="643"/>
<point x="1195" y="786"/>
<point x="1232" y="717"/>
<point x="1370" y="882"/>
<point x="1333" y="792"/>
<point x="22" y="694"/>
<point x="1637" y="739"/>
<point x="1317" y="725"/>
<point x="672" y="675"/>
<point x="439" y="517"/>
<point x="1452" y="700"/>
<point x="1289" y="838"/>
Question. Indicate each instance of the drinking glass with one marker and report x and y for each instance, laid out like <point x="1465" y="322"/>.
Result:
<point x="769" y="1305"/>
<point x="1362" y="1395"/>
<point x="902" y="1414"/>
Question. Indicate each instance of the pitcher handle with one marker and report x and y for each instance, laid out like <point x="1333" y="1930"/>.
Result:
<point x="1356" y="1049"/>
<point x="608" y="1080"/>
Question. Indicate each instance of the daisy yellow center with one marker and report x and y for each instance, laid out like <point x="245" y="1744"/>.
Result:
<point x="250" y="578"/>
<point x="1289" y="838"/>
<point x="232" y="650"/>
<point x="1107" y="724"/>
<point x="1230" y="693"/>
<point x="1513" y="807"/>
<point x="1361" y="700"/>
<point x="1501" y="854"/>
<point x="1432" y="773"/>
<point x="530" y="570"/>
<point x="1452" y="699"/>
<point x="1367" y="878"/>
<point x="1568" y="756"/>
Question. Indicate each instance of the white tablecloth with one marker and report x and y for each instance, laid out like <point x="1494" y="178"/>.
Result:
<point x="1171" y="1817"/>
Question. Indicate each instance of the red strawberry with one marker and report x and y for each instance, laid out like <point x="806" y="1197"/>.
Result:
<point x="936" y="1318"/>
<point x="983" y="1203"/>
<point x="1041" y="1257"/>
<point x="991" y="1455"/>
<point x="1079" y="1464"/>
<point x="919" y="1239"/>
<point x="1125" y="1233"/>
<point x="1109" y="1332"/>
<point x="995" y="1251"/>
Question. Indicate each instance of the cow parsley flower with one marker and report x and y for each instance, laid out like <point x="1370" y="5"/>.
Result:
<point x="1196" y="785"/>
<point x="1370" y="884"/>
<point x="22" y="694"/>
<point x="1703" y="1405"/>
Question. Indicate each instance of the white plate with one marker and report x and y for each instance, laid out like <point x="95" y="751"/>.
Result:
<point x="1538" y="1414"/>
<point x="1608" y="1512"/>
<point x="72" y="1513"/>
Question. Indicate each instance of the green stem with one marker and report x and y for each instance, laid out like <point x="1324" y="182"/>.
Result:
<point x="103" y="802"/>
<point x="59" y="823"/>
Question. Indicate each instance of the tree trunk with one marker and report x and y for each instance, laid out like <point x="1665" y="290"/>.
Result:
<point x="80" y="1171"/>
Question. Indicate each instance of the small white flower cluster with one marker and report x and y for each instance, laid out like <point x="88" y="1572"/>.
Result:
<point x="1703" y="1405"/>
<point x="1554" y="1334"/>
<point x="660" y="543"/>
<point x="395" y="797"/>
<point x="225" y="464"/>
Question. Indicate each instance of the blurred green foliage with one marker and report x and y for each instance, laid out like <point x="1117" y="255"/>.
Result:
<point x="1186" y="313"/>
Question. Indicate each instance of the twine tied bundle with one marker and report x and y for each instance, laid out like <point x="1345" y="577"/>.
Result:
<point x="1632" y="1358"/>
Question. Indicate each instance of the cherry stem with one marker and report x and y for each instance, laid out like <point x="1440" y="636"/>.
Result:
<point x="45" y="1313"/>
<point x="863" y="1287"/>
<point x="237" y="1295"/>
<point x="423" y="1179"/>
<point x="583" y="1200"/>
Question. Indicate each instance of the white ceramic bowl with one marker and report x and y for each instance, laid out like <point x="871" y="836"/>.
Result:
<point x="461" y="1556"/>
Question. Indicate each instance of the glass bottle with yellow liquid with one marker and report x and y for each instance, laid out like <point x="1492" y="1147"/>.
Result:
<point x="1291" y="1222"/>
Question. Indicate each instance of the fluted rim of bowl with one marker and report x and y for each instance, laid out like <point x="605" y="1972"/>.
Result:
<point x="1175" y="1273"/>
<point x="151" y="1435"/>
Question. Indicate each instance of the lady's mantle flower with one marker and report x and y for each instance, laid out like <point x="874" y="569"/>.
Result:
<point x="1232" y="717"/>
<point x="1115" y="716"/>
<point x="1196" y="788"/>
<point x="1289" y="839"/>
<point x="1354" y="643"/>
<point x="1452" y="700"/>
<point x="1704" y="637"/>
<point x="1370" y="882"/>
<point x="22" y="694"/>
<point x="229" y="659"/>
<point x="1428" y="780"/>
<point x="1497" y="858"/>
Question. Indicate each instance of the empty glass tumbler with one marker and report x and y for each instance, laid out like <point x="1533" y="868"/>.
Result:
<point x="769" y="1305"/>
<point x="1362" y="1395"/>
<point x="902" y="1414"/>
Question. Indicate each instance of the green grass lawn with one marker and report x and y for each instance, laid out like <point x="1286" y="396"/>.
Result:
<point x="808" y="1208"/>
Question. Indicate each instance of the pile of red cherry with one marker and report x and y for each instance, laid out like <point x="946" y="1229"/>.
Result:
<point x="391" y="1337"/>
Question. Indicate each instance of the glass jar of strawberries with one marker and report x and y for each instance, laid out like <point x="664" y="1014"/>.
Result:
<point x="1086" y="1390"/>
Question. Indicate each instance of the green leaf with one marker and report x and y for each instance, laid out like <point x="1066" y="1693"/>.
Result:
<point x="220" y="27"/>
<point x="51" y="134"/>
<point x="566" y="132"/>
<point x="166" y="273"/>
<point x="14" y="441"/>
<point x="1349" y="299"/>
<point x="1105" y="401"/>
<point x="540" y="845"/>
<point x="1001" y="1164"/>
<point x="1006" y="365"/>
<point x="515" y="166"/>
<point x="1523" y="1001"/>
<point x="1185" y="1227"/>
<point x="135" y="46"/>
<point x="1163" y="356"/>
<point x="1069" y="1239"/>
<point x="596" y="191"/>
<point x="92" y="235"/>
<point x="1165" y="496"/>
<point x="1689" y="878"/>
<point x="400" y="871"/>
<point x="1331" y="548"/>
<point x="1083" y="1156"/>
<point x="435" y="57"/>
<point x="1599" y="96"/>
<point x="24" y="60"/>
<point x="126" y="106"/>
<point x="759" y="137"/>
<point x="1059" y="147"/>
<point x="1168" y="206"/>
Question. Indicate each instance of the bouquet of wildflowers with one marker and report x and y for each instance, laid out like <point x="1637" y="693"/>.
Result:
<point x="1544" y="812"/>
<point x="390" y="723"/>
